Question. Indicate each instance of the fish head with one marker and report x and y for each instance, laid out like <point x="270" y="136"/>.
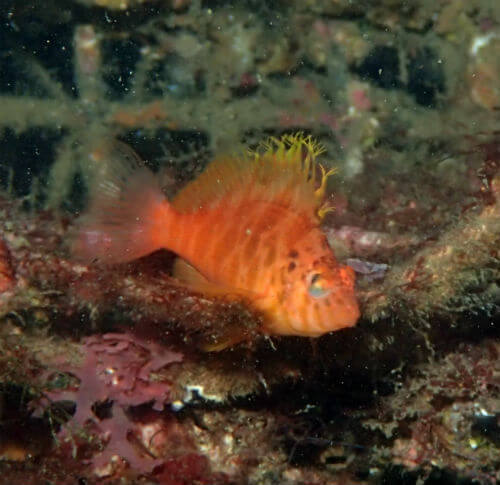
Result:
<point x="317" y="295"/>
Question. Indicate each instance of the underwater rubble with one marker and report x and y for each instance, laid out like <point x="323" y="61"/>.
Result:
<point x="104" y="373"/>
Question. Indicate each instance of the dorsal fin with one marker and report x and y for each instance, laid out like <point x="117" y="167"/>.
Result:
<point x="283" y="170"/>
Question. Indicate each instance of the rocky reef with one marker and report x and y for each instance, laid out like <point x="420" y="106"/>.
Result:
<point x="104" y="373"/>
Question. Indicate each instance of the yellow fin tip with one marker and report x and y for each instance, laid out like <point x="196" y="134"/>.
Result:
<point x="324" y="210"/>
<point x="320" y="191"/>
<point x="290" y="144"/>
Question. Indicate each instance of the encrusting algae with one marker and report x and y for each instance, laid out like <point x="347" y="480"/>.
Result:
<point x="246" y="226"/>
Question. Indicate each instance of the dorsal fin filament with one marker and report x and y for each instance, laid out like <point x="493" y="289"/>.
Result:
<point x="324" y="210"/>
<point x="292" y="148"/>
<point x="320" y="191"/>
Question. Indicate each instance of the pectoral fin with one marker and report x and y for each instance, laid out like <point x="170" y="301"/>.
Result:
<point x="192" y="279"/>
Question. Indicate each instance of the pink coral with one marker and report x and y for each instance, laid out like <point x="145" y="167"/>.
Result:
<point x="117" y="368"/>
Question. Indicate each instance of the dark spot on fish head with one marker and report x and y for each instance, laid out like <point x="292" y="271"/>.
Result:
<point x="291" y="266"/>
<point x="293" y="254"/>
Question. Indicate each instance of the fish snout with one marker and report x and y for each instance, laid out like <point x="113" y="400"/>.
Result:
<point x="345" y="312"/>
<point x="346" y="305"/>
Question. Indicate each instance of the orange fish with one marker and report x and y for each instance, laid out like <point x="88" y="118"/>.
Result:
<point x="248" y="226"/>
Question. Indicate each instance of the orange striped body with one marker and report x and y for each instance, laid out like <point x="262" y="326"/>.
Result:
<point x="239" y="255"/>
<point x="250" y="226"/>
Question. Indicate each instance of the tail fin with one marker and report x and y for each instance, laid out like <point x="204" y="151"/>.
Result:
<point x="126" y="209"/>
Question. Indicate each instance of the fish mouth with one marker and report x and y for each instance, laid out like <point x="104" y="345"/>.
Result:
<point x="348" y="314"/>
<point x="351" y="318"/>
<point x="342" y="311"/>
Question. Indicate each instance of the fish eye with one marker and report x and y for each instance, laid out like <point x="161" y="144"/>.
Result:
<point x="317" y="287"/>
